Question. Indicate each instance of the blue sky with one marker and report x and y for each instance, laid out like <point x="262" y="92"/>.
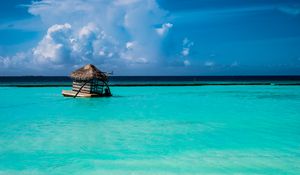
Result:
<point x="148" y="37"/>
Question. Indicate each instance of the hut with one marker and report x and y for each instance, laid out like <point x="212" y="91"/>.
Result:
<point x="88" y="81"/>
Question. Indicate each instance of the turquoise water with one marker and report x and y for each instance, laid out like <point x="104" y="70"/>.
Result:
<point x="152" y="130"/>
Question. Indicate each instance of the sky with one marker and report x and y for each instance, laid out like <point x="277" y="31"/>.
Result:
<point x="150" y="37"/>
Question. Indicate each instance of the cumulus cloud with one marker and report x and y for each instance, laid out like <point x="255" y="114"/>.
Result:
<point x="112" y="33"/>
<point x="164" y="29"/>
<point x="129" y="45"/>
<point x="55" y="46"/>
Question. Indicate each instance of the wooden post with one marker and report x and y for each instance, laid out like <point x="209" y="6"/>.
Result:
<point x="107" y="87"/>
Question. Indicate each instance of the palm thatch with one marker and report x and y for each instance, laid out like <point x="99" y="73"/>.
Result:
<point x="88" y="72"/>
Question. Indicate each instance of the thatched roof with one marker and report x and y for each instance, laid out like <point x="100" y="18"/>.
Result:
<point x="88" y="72"/>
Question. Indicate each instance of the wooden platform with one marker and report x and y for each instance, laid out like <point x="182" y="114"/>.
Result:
<point x="70" y="93"/>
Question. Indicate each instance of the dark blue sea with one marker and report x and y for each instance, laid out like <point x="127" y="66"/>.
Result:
<point x="157" y="80"/>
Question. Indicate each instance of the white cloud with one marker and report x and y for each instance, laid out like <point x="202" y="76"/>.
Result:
<point x="110" y="54"/>
<point x="15" y="63"/>
<point x="4" y="61"/>
<point x="186" y="62"/>
<point x="132" y="59"/>
<point x="185" y="51"/>
<point x="209" y="63"/>
<point x="101" y="53"/>
<point x="54" y="46"/>
<point x="129" y="45"/>
<point x="126" y="2"/>
<point x="164" y="29"/>
<point x="186" y="44"/>
<point x="114" y="33"/>
<point x="88" y="31"/>
<point x="291" y="10"/>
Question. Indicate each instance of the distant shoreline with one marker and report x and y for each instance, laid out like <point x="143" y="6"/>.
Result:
<point x="143" y="81"/>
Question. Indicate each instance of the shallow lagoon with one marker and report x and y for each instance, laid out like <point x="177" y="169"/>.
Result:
<point x="152" y="130"/>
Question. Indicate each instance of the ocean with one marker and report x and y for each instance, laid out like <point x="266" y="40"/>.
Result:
<point x="223" y="125"/>
<point x="33" y="81"/>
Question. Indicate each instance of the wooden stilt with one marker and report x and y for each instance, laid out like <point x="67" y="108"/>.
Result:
<point x="107" y="88"/>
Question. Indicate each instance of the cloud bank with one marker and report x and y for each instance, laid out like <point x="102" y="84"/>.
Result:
<point x="110" y="33"/>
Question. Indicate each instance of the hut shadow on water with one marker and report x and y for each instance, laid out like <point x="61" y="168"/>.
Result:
<point x="89" y="81"/>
